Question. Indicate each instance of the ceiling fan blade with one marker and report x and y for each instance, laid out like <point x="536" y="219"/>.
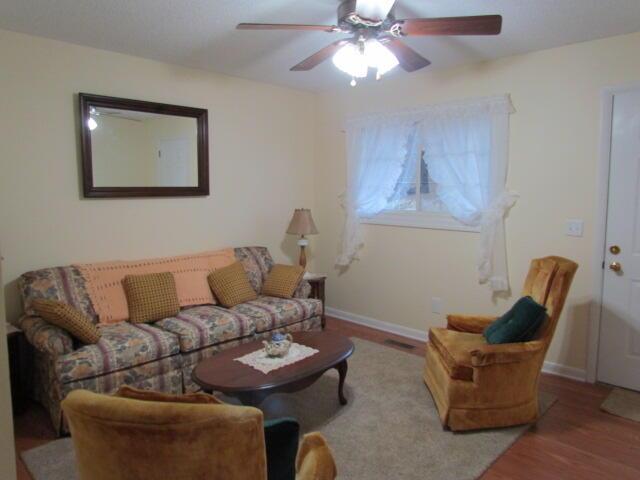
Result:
<point x="285" y="26"/>
<point x="374" y="9"/>
<point x="409" y="59"/>
<point x="319" y="57"/>
<point x="478" y="25"/>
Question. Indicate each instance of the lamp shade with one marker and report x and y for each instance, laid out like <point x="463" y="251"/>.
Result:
<point x="302" y="223"/>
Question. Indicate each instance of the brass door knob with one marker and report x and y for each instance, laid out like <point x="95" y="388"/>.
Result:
<point x="615" y="266"/>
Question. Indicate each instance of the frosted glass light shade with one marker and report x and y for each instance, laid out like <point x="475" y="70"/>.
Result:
<point x="379" y="57"/>
<point x="351" y="61"/>
<point x="356" y="64"/>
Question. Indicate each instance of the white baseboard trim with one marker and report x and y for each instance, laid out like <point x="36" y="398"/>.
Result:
<point x="565" y="371"/>
<point x="377" y="324"/>
<point x="548" y="367"/>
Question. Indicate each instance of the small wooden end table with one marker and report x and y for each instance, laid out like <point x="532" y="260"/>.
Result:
<point x="317" y="282"/>
<point x="19" y="367"/>
<point x="221" y="373"/>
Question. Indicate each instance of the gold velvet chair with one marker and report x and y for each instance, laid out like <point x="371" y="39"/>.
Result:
<point x="193" y="437"/>
<point x="476" y="385"/>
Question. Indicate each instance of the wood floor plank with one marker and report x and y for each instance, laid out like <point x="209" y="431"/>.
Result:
<point x="573" y="440"/>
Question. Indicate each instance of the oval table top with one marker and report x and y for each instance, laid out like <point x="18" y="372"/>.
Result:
<point x="222" y="373"/>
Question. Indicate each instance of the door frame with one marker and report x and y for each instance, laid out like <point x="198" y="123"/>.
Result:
<point x="600" y="222"/>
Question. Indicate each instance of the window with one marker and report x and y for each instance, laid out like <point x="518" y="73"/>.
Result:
<point x="440" y="166"/>
<point x="416" y="191"/>
<point x="415" y="201"/>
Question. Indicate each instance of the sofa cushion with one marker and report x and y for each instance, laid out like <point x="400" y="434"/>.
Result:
<point x="455" y="350"/>
<point x="519" y="324"/>
<point x="151" y="296"/>
<point x="231" y="285"/>
<point x="68" y="318"/>
<point x="122" y="345"/>
<point x="199" y="327"/>
<point x="127" y="391"/>
<point x="272" y="312"/>
<point x="282" y="281"/>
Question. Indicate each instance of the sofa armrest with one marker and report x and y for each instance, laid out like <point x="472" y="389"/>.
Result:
<point x="303" y="290"/>
<point x="469" y="323"/>
<point x="505" y="353"/>
<point x="314" y="460"/>
<point x="45" y="337"/>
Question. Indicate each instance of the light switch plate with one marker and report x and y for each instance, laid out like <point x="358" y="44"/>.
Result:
<point x="575" y="227"/>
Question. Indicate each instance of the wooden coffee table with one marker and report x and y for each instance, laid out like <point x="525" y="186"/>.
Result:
<point x="221" y="373"/>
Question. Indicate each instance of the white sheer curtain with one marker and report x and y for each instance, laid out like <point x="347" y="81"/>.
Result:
<point x="466" y="148"/>
<point x="376" y="152"/>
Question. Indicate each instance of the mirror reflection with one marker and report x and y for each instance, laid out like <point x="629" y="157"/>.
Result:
<point x="140" y="149"/>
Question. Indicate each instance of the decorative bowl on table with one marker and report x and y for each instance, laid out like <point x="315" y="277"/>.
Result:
<point x="278" y="346"/>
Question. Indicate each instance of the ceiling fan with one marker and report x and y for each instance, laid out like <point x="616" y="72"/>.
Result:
<point x="376" y="42"/>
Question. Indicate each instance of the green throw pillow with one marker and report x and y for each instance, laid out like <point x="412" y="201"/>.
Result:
<point x="281" y="441"/>
<point x="519" y="324"/>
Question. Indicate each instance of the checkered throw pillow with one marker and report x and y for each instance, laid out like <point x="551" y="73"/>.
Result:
<point x="68" y="318"/>
<point x="282" y="281"/>
<point x="151" y="297"/>
<point x="231" y="285"/>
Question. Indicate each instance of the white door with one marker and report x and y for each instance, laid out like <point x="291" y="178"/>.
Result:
<point x="619" y="351"/>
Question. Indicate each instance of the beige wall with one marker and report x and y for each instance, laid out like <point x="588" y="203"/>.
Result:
<point x="7" y="448"/>
<point x="261" y="154"/>
<point x="263" y="143"/>
<point x="553" y="164"/>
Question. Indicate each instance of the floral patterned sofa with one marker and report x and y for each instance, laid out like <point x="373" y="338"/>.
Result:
<point x="158" y="356"/>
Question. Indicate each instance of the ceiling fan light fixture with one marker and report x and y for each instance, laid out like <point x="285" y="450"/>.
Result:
<point x="351" y="61"/>
<point x="379" y="57"/>
<point x="355" y="60"/>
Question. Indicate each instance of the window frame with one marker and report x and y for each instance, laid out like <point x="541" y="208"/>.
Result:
<point x="415" y="219"/>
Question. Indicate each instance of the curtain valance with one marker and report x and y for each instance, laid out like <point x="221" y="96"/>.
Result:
<point x="500" y="104"/>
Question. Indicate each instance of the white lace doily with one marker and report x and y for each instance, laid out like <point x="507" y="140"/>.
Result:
<point x="262" y="362"/>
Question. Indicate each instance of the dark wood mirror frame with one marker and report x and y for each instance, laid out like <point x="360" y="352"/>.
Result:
<point x="201" y="115"/>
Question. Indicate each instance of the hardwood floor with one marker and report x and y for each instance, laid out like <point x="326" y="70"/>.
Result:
<point x="573" y="440"/>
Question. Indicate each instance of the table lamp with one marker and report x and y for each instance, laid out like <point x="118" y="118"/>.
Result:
<point x="302" y="224"/>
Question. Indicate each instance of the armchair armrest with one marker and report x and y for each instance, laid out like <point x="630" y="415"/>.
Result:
<point x="314" y="460"/>
<point x="45" y="337"/>
<point x="505" y="353"/>
<point x="469" y="323"/>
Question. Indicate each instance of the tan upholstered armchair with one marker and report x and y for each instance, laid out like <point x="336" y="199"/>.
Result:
<point x="476" y="385"/>
<point x="119" y="438"/>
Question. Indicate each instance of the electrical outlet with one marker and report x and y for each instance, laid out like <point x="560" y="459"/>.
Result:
<point x="436" y="305"/>
<point x="575" y="227"/>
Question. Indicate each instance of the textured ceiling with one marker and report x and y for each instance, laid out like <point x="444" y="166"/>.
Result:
<point x="201" y="33"/>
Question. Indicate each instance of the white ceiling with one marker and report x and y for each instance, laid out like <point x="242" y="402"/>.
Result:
<point x="201" y="33"/>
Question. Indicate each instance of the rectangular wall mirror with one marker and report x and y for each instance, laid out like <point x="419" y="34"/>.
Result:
<point x="132" y="148"/>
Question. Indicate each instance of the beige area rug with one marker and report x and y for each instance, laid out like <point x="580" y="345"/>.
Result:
<point x="389" y="430"/>
<point x="623" y="403"/>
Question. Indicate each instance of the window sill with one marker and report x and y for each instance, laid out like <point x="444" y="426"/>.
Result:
<point x="435" y="221"/>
